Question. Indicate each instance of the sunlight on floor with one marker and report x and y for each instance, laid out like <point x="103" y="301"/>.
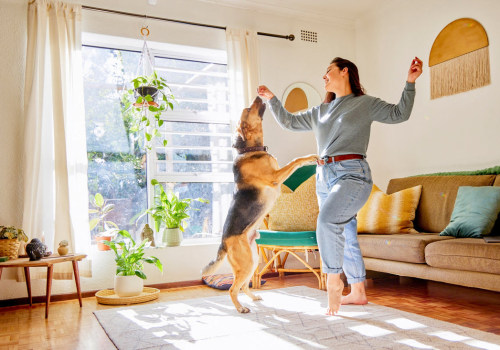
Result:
<point x="285" y="320"/>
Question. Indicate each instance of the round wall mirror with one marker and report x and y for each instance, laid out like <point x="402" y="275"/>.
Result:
<point x="299" y="97"/>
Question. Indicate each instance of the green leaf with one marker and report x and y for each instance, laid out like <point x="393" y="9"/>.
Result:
<point x="154" y="182"/>
<point x="140" y="274"/>
<point x="98" y="200"/>
<point x="93" y="223"/>
<point x="165" y="143"/>
<point x="148" y="136"/>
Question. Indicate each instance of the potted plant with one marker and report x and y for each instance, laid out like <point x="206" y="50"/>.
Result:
<point x="130" y="259"/>
<point x="106" y="229"/>
<point x="150" y="94"/>
<point x="10" y="241"/>
<point x="169" y="211"/>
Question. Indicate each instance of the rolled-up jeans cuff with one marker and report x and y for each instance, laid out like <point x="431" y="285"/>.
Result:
<point x="329" y="270"/>
<point x="356" y="280"/>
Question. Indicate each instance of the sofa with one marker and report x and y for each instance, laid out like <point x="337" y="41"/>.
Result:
<point x="469" y="262"/>
<point x="420" y="251"/>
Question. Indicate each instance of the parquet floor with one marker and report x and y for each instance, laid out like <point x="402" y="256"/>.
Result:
<point x="69" y="327"/>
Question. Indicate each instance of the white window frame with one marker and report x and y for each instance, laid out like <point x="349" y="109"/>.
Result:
<point x="173" y="51"/>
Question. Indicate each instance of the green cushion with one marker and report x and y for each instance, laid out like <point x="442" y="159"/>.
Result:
<point x="288" y="239"/>
<point x="475" y="212"/>
<point x="299" y="176"/>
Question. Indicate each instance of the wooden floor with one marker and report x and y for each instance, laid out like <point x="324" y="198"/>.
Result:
<point x="69" y="327"/>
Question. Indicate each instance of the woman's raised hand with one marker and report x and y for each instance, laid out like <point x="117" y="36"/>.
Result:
<point x="415" y="70"/>
<point x="264" y="92"/>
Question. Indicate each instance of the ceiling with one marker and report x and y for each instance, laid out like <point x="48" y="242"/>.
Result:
<point x="325" y="10"/>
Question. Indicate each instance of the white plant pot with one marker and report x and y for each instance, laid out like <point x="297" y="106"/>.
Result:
<point x="128" y="286"/>
<point x="172" y="236"/>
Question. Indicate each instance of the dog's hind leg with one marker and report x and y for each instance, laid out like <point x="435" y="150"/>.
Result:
<point x="255" y="259"/>
<point x="239" y="256"/>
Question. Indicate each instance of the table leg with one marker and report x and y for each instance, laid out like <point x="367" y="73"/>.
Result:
<point x="77" y="281"/>
<point x="28" y="283"/>
<point x="1" y="268"/>
<point x="50" y="269"/>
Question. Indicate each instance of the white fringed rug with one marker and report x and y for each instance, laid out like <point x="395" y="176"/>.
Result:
<point x="288" y="318"/>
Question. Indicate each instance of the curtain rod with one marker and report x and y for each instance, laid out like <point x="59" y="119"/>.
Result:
<point x="290" y="37"/>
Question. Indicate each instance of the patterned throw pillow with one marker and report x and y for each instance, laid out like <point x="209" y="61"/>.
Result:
<point x="389" y="214"/>
<point x="295" y="210"/>
<point x="222" y="281"/>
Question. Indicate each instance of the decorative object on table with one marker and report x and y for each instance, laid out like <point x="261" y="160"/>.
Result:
<point x="142" y="106"/>
<point x="300" y="96"/>
<point x="147" y="233"/>
<point x="36" y="249"/>
<point x="4" y="258"/>
<point x="170" y="211"/>
<point x="459" y="59"/>
<point x="63" y="247"/>
<point x="106" y="229"/>
<point x="130" y="259"/>
<point x="10" y="241"/>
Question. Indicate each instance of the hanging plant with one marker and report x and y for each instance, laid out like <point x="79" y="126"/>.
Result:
<point x="143" y="105"/>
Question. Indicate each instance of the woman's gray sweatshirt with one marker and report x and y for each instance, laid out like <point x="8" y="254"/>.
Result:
<point x="343" y="125"/>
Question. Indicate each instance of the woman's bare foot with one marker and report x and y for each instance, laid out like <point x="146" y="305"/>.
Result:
<point x="357" y="295"/>
<point x="334" y="286"/>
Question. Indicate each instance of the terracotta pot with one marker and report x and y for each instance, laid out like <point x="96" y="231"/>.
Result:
<point x="100" y="245"/>
<point x="128" y="286"/>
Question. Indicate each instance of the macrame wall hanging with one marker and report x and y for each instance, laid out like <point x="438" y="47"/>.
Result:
<point x="459" y="59"/>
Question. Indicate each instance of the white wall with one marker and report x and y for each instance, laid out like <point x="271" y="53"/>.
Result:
<point x="459" y="132"/>
<point x="282" y="63"/>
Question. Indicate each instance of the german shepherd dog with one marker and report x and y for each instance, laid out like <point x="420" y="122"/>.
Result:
<point x="258" y="179"/>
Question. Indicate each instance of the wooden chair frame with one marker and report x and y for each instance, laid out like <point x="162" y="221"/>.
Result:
<point x="276" y="251"/>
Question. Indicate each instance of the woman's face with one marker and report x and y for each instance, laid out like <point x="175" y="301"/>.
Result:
<point x="334" y="78"/>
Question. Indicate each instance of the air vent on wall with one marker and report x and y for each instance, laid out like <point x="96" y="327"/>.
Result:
<point x="306" y="35"/>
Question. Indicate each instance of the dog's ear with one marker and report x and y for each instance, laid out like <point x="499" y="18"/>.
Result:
<point x="241" y="130"/>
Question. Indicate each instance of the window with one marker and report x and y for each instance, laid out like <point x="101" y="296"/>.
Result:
<point x="196" y="162"/>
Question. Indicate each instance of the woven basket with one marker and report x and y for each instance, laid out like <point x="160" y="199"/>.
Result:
<point x="108" y="296"/>
<point x="9" y="247"/>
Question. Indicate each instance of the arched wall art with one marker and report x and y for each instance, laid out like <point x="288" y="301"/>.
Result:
<point x="459" y="59"/>
<point x="300" y="96"/>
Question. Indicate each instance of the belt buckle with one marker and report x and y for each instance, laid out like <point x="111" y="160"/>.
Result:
<point x="321" y="161"/>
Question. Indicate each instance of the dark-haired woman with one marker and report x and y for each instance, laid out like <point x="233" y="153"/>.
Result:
<point x="343" y="179"/>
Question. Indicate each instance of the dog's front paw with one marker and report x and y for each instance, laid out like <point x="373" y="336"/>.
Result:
<point x="256" y="297"/>
<point x="313" y="158"/>
<point x="243" y="310"/>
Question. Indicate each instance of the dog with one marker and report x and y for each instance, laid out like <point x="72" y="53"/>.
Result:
<point x="258" y="179"/>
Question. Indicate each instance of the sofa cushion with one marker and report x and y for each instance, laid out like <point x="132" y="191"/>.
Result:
<point x="389" y="214"/>
<point x="297" y="210"/>
<point x="438" y="197"/>
<point x="475" y="212"/>
<point x="399" y="247"/>
<point x="497" y="181"/>
<point x="468" y="254"/>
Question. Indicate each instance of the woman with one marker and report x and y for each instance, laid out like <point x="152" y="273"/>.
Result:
<point x="343" y="180"/>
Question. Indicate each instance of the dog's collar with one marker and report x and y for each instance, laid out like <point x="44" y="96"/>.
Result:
<point x="251" y="149"/>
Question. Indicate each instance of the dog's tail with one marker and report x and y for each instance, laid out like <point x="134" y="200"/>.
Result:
<point x="214" y="264"/>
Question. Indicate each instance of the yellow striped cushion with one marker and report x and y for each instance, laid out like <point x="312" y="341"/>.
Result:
<point x="388" y="214"/>
<point x="295" y="210"/>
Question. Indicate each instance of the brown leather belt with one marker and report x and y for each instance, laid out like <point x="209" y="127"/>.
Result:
<point x="342" y="157"/>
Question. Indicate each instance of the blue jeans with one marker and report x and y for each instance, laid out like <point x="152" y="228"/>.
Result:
<point x="342" y="189"/>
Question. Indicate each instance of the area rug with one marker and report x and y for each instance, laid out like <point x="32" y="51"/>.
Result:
<point x="287" y="318"/>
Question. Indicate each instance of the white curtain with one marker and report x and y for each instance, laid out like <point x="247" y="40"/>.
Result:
<point x="243" y="68"/>
<point x="55" y="158"/>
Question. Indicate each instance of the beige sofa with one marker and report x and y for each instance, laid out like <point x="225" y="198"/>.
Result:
<point x="469" y="262"/>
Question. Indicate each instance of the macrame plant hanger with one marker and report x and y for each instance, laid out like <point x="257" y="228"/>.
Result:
<point x="146" y="65"/>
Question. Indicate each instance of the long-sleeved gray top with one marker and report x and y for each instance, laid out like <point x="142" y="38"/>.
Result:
<point x="343" y="125"/>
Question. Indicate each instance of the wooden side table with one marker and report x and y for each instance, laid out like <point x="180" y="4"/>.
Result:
<point x="49" y="263"/>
